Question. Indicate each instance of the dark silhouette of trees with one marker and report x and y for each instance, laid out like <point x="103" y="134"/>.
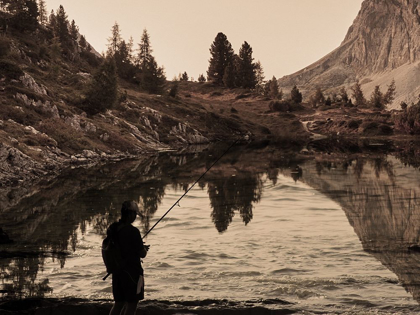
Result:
<point x="296" y="95"/>
<point x="246" y="72"/>
<point x="343" y="95"/>
<point x="184" y="76"/>
<point x="103" y="90"/>
<point x="318" y="98"/>
<point x="201" y="78"/>
<point x="24" y="14"/>
<point x="43" y="14"/>
<point x="229" y="76"/>
<point x="221" y="52"/>
<point x="152" y="77"/>
<point x="259" y="76"/>
<point x="376" y="99"/>
<point x="357" y="94"/>
<point x="389" y="96"/>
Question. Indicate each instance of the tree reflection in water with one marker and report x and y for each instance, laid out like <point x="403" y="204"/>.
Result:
<point x="237" y="193"/>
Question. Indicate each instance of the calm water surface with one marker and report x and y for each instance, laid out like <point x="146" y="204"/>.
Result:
<point x="334" y="238"/>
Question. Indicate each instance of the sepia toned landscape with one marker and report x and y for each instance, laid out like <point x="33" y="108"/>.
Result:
<point x="299" y="191"/>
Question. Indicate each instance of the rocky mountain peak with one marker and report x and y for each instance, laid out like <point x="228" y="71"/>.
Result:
<point x="382" y="44"/>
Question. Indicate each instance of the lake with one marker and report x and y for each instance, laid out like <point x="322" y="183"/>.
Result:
<point x="323" y="229"/>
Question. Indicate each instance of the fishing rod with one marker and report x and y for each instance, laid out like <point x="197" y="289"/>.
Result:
<point x="186" y="192"/>
<point x="177" y="202"/>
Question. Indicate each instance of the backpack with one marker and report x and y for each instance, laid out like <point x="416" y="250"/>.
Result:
<point x="111" y="251"/>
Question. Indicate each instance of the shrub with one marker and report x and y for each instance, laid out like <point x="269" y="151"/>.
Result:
<point x="4" y="46"/>
<point x="279" y="106"/>
<point x="10" y="70"/>
<point x="409" y="120"/>
<point x="385" y="130"/>
<point x="353" y="124"/>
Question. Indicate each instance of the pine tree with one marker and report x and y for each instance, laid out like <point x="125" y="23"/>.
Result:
<point x="153" y="77"/>
<point x="130" y="46"/>
<point x="246" y="67"/>
<point x="83" y="42"/>
<point x="62" y="29"/>
<point x="52" y="22"/>
<point x="221" y="56"/>
<point x="376" y="99"/>
<point x="43" y="15"/>
<point x="184" y="76"/>
<point x="145" y="50"/>
<point x="318" y="98"/>
<point x="274" y="88"/>
<point x="201" y="78"/>
<point x="295" y="95"/>
<point x="359" y="98"/>
<point x="229" y="77"/>
<point x="259" y="75"/>
<point x="74" y="31"/>
<point x="103" y="90"/>
<point x="389" y="96"/>
<point x="114" y="40"/>
<point x="344" y="96"/>
<point x="25" y="14"/>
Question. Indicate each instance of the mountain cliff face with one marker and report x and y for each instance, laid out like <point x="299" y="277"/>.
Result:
<point x="382" y="44"/>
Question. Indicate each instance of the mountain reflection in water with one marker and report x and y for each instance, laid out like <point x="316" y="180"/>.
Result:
<point x="377" y="190"/>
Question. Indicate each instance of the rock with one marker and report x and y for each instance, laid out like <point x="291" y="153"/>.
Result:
<point x="30" y="129"/>
<point x="89" y="154"/>
<point x="30" y="83"/>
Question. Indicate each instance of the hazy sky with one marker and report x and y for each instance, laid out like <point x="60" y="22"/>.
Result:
<point x="286" y="35"/>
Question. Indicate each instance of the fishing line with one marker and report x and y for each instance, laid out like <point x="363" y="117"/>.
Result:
<point x="186" y="192"/>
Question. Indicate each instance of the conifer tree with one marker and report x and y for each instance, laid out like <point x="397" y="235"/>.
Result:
<point x="114" y="40"/>
<point x="130" y="47"/>
<point x="25" y="14"/>
<point x="74" y="31"/>
<point x="376" y="99"/>
<point x="344" y="96"/>
<point x="184" y="76"/>
<point x="359" y="98"/>
<point x="318" y="98"/>
<point x="103" y="90"/>
<point x="259" y="75"/>
<point x="296" y="95"/>
<point x="83" y="42"/>
<point x="153" y="77"/>
<point x="389" y="96"/>
<point x="246" y="71"/>
<point x="145" y="50"/>
<point x="62" y="30"/>
<point x="52" y="22"/>
<point x="43" y="15"/>
<point x="201" y="78"/>
<point x="229" y="76"/>
<point x="273" y="88"/>
<point x="221" y="56"/>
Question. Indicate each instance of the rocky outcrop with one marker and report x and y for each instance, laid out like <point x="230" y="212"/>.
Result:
<point x="29" y="82"/>
<point x="382" y="44"/>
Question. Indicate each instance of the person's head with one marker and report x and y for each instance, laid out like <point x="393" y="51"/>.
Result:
<point x="129" y="211"/>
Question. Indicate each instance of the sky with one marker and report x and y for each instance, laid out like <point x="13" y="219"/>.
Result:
<point x="285" y="35"/>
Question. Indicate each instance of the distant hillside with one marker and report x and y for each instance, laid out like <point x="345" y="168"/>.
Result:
<point x="382" y="44"/>
<point x="44" y="126"/>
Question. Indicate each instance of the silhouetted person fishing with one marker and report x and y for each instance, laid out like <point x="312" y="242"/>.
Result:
<point x="122" y="250"/>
